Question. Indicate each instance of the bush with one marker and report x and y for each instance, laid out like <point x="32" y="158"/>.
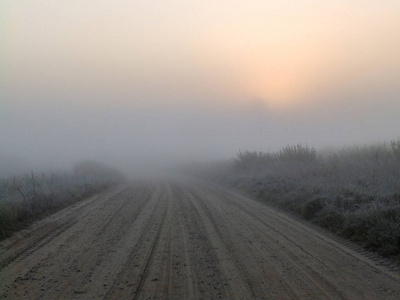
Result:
<point x="330" y="218"/>
<point x="396" y="148"/>
<point x="312" y="207"/>
<point x="297" y="153"/>
<point x="251" y="161"/>
<point x="255" y="162"/>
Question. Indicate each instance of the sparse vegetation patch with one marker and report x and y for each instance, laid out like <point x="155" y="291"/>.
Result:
<point x="26" y="198"/>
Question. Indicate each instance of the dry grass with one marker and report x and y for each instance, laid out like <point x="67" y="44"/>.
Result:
<point x="29" y="197"/>
<point x="353" y="191"/>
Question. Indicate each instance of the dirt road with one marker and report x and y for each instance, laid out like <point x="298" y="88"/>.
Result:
<point x="183" y="240"/>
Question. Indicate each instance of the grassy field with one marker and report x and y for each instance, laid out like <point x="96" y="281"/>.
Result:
<point x="353" y="191"/>
<point x="26" y="198"/>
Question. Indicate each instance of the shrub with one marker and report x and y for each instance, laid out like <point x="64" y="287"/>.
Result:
<point x="330" y="218"/>
<point x="251" y="161"/>
<point x="396" y="148"/>
<point x="30" y="197"/>
<point x="297" y="153"/>
<point x="352" y="191"/>
<point x="312" y="207"/>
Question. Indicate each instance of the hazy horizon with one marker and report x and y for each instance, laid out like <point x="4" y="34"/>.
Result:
<point x="137" y="83"/>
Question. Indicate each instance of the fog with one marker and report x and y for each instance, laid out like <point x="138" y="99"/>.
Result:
<point x="147" y="86"/>
<point x="49" y="136"/>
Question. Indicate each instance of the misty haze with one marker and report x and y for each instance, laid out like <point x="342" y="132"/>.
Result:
<point x="199" y="150"/>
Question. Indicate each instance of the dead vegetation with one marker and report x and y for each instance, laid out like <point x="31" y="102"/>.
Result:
<point x="29" y="197"/>
<point x="353" y="191"/>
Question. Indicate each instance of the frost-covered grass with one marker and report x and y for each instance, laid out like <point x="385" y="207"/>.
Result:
<point x="353" y="191"/>
<point x="29" y="197"/>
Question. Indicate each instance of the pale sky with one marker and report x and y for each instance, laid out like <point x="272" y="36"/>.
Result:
<point x="196" y="76"/>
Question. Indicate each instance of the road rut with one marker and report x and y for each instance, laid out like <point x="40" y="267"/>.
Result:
<point x="184" y="240"/>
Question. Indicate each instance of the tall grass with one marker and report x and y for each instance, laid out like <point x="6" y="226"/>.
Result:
<point x="352" y="191"/>
<point x="29" y="197"/>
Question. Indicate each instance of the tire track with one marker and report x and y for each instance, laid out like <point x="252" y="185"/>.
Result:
<point x="247" y="252"/>
<point x="122" y="217"/>
<point x="121" y="284"/>
<point x="32" y="240"/>
<point x="46" y="234"/>
<point x="390" y="266"/>
<point x="286" y="253"/>
<point x="149" y="259"/>
<point x="183" y="240"/>
<point x="69" y="231"/>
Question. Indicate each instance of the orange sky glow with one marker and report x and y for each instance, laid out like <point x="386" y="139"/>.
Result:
<point x="216" y="52"/>
<point x="152" y="80"/>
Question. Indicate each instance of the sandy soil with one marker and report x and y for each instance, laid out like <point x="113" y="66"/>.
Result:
<point x="184" y="240"/>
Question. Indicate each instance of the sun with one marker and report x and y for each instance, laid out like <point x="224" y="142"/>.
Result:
<point x="280" y="90"/>
<point x="288" y="80"/>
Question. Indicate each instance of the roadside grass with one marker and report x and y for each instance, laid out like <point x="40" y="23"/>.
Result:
<point x="26" y="198"/>
<point x="353" y="192"/>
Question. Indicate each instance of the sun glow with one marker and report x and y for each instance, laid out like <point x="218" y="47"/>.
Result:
<point x="285" y="79"/>
<point x="297" y="55"/>
<point x="281" y="89"/>
<point x="222" y="51"/>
